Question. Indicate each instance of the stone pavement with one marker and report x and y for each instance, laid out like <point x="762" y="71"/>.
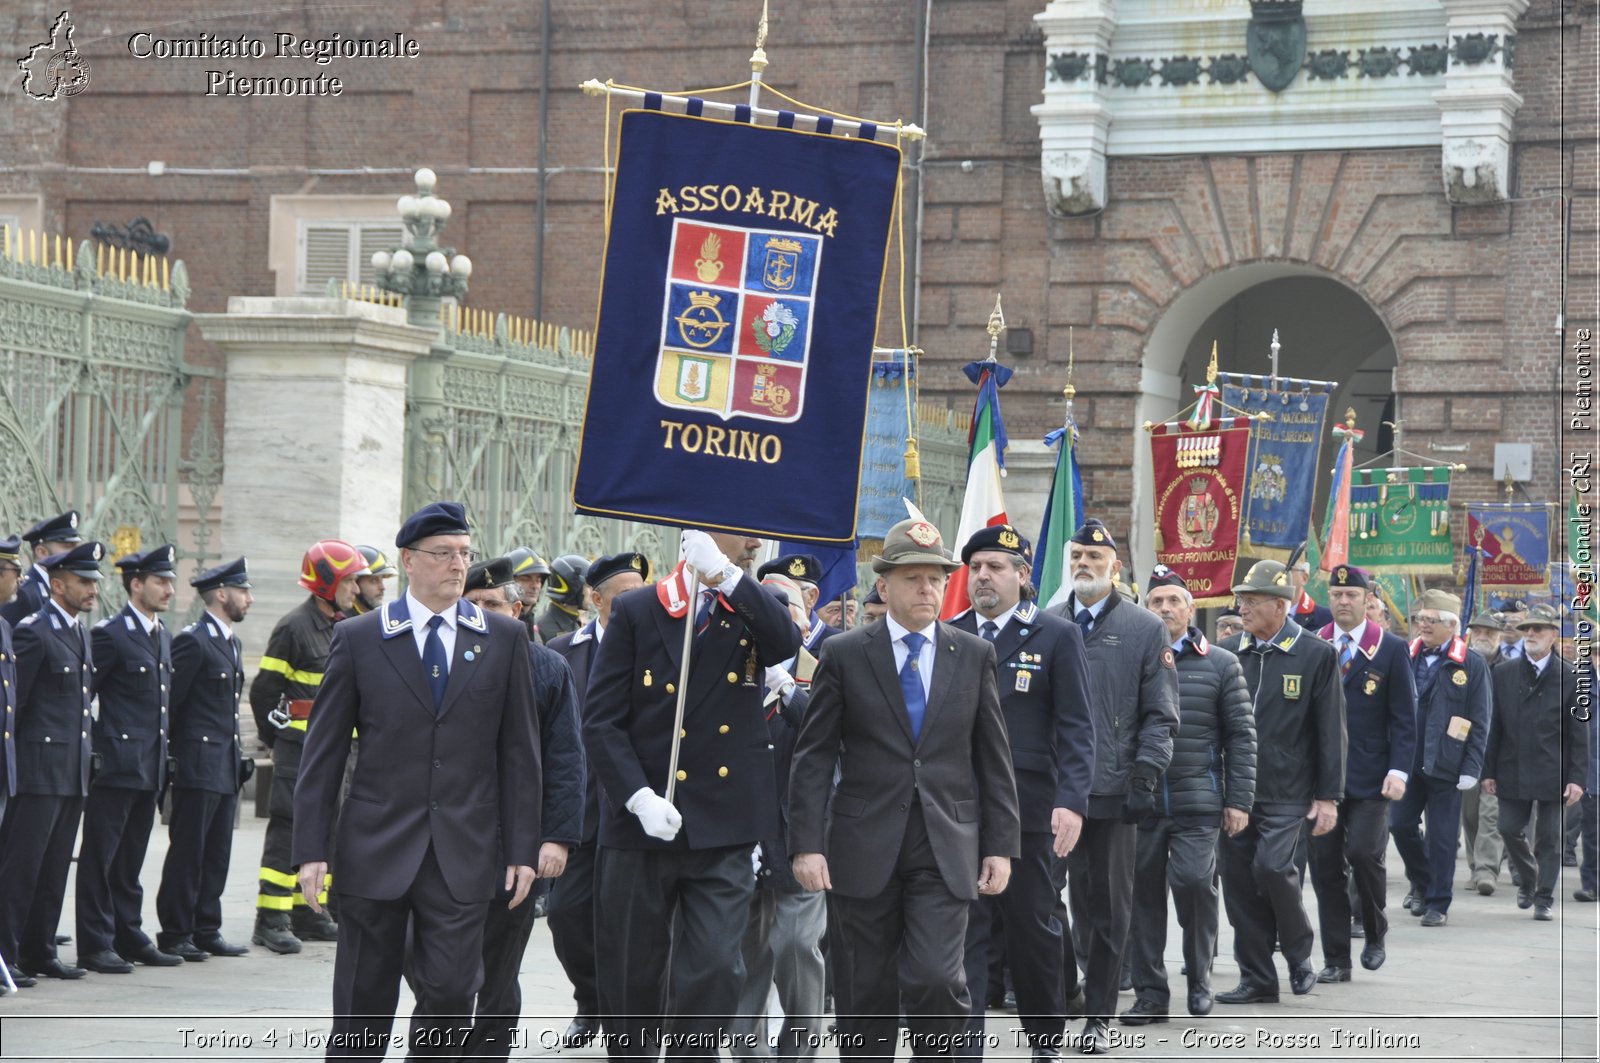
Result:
<point x="1492" y="985"/>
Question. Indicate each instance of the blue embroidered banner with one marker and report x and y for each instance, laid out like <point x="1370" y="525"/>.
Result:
<point x="1513" y="543"/>
<point x="1283" y="458"/>
<point x="883" y="465"/>
<point x="737" y="312"/>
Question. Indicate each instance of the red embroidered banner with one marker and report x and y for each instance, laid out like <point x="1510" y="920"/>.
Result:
<point x="1200" y="479"/>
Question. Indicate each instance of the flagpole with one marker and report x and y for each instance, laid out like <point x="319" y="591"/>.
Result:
<point x="691" y="609"/>
<point x="758" y="59"/>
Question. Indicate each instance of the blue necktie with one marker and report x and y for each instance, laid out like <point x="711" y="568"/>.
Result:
<point x="702" y="617"/>
<point x="911" y="683"/>
<point x="1085" y="620"/>
<point x="434" y="662"/>
<point x="1346" y="654"/>
<point x="989" y="630"/>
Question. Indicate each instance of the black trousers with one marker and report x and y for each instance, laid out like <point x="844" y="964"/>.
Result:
<point x="903" y="947"/>
<point x="1539" y="866"/>
<point x="1100" y="871"/>
<point x="110" y="901"/>
<point x="35" y="858"/>
<point x="1182" y="858"/>
<point x="1429" y="857"/>
<point x="1261" y="890"/>
<point x="571" y="919"/>
<point x="199" y="844"/>
<point x="1024" y="916"/>
<point x="1358" y="841"/>
<point x="672" y="918"/>
<point x="447" y="964"/>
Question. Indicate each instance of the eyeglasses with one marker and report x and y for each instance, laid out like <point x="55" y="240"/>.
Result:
<point x="446" y="556"/>
<point x="1429" y="620"/>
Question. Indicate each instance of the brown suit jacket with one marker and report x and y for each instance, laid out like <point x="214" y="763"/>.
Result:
<point x="959" y="770"/>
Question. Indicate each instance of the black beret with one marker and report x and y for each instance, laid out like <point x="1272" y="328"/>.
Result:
<point x="1002" y="537"/>
<point x="161" y="561"/>
<point x="1093" y="533"/>
<point x="1162" y="576"/>
<point x="58" y="529"/>
<point x="1348" y="576"/>
<point x="228" y="574"/>
<point x="82" y="560"/>
<point x="873" y="597"/>
<point x="602" y="569"/>
<point x="487" y="575"/>
<point x="435" y="518"/>
<point x="802" y="568"/>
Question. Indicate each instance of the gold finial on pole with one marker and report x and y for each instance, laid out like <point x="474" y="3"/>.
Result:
<point x="997" y="325"/>
<point x="1211" y="370"/>
<point x="1350" y="418"/>
<point x="758" y="58"/>
<point x="1510" y="484"/>
<point x="1069" y="392"/>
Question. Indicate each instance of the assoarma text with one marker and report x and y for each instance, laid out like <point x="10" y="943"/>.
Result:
<point x="734" y="443"/>
<point x="785" y="206"/>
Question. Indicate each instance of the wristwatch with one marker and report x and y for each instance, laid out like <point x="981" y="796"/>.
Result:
<point x="729" y="571"/>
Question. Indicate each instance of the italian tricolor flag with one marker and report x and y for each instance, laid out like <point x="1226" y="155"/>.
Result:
<point x="984" y="504"/>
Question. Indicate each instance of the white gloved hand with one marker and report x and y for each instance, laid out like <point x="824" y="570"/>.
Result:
<point x="702" y="554"/>
<point x="1466" y="782"/>
<point x="655" y="813"/>
<point x="779" y="681"/>
<point x="755" y="861"/>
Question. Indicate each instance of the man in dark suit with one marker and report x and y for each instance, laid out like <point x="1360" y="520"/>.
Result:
<point x="207" y="690"/>
<point x="1043" y="679"/>
<point x="685" y="859"/>
<point x="10" y="576"/>
<point x="1454" y="695"/>
<point x="571" y="905"/>
<point x="51" y="536"/>
<point x="1300" y="750"/>
<point x="448" y="780"/>
<point x="922" y="819"/>
<point x="1381" y="736"/>
<point x="55" y="673"/>
<point x="1133" y="684"/>
<point x="133" y="680"/>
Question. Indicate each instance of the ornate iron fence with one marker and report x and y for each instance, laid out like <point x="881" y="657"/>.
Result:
<point x="92" y="401"/>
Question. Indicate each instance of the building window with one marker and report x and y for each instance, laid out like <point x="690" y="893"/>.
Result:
<point x="340" y="251"/>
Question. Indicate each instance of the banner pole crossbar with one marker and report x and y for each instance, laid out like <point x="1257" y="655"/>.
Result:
<point x="764" y="116"/>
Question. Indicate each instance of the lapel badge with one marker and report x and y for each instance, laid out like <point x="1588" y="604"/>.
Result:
<point x="1023" y="679"/>
<point x="1371" y="686"/>
<point x="1291" y="687"/>
<point x="467" y="656"/>
<point x="647" y="679"/>
<point x="1459" y="678"/>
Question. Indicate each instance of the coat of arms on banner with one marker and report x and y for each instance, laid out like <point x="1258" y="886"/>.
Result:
<point x="736" y="320"/>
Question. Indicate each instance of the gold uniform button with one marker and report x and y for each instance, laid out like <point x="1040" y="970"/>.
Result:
<point x="722" y="730"/>
<point x="86" y="712"/>
<point x="733" y="677"/>
<point x="744" y="642"/>
<point x="683" y="734"/>
<point x="683" y="776"/>
<point x="722" y="773"/>
<point x="671" y="689"/>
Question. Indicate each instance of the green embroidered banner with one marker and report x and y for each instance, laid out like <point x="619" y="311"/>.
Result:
<point x="1400" y="520"/>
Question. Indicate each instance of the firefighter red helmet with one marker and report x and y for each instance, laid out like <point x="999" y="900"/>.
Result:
<point x="329" y="563"/>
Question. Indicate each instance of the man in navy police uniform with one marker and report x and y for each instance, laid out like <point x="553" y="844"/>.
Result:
<point x="51" y="536"/>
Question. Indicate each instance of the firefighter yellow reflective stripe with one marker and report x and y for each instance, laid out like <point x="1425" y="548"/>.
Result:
<point x="293" y="675"/>
<point x="277" y="878"/>
<point x="276" y="904"/>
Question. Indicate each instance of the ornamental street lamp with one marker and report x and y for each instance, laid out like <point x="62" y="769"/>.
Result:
<point x="421" y="270"/>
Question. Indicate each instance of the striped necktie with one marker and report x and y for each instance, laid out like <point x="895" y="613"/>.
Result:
<point x="1346" y="654"/>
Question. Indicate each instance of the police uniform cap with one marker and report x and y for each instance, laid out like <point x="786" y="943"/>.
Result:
<point x="1348" y="576"/>
<point x="228" y="574"/>
<point x="11" y="550"/>
<point x="1093" y="533"/>
<point x="62" y="528"/>
<point x="1162" y="576"/>
<point x="435" y="518"/>
<point x="1539" y="616"/>
<point x="1267" y="577"/>
<point x="1441" y="600"/>
<point x="603" y="568"/>
<point x="802" y="568"/>
<point x="487" y="575"/>
<point x="873" y="597"/>
<point x="913" y="542"/>
<point x="1002" y="537"/>
<point x="82" y="560"/>
<point x="1487" y="621"/>
<point x="162" y="561"/>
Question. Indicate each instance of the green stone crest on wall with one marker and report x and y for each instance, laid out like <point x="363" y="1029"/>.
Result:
<point x="1276" y="41"/>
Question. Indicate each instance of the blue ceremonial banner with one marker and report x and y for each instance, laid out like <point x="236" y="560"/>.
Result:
<point x="884" y="486"/>
<point x="738" y="308"/>
<point x="1513" y="539"/>
<point x="1282" y="461"/>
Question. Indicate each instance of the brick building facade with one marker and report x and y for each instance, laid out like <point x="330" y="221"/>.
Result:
<point x="1466" y="300"/>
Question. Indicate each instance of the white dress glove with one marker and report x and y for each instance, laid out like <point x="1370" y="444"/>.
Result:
<point x="655" y="813"/>
<point x="1466" y="782"/>
<point x="701" y="552"/>
<point x="779" y="681"/>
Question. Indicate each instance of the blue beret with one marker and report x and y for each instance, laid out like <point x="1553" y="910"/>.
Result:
<point x="1002" y="537"/>
<point x="82" y="560"/>
<point x="604" y="568"/>
<point x="161" y="561"/>
<point x="58" y="529"/>
<point x="1162" y="576"/>
<point x="435" y="518"/>
<point x="802" y="568"/>
<point x="228" y="574"/>
<point x="1348" y="576"/>
<point x="1093" y="533"/>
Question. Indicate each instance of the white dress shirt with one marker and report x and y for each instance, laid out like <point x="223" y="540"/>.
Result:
<point x="925" y="658"/>
<point x="420" y="615"/>
<point x="999" y="622"/>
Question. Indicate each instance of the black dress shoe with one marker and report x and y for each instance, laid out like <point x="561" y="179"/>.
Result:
<point x="1569" y="859"/>
<point x="63" y="939"/>
<point x="54" y="968"/>
<point x="1143" y="1013"/>
<point x="218" y="947"/>
<point x="1541" y="912"/>
<point x="1096" y="1037"/>
<point x="1419" y="907"/>
<point x="1372" y="956"/>
<point x="1245" y="993"/>
<point x="1074" y="1002"/>
<point x="580" y="1031"/>
<point x="1410" y="899"/>
<point x="1125" y="984"/>
<point x="1331" y="974"/>
<point x="1199" y="1000"/>
<point x="151" y="956"/>
<point x="1586" y="896"/>
<point x="1302" y="979"/>
<point x="186" y="951"/>
<point x="106" y="962"/>
<point x="1433" y="918"/>
<point x="20" y="978"/>
<point x="1358" y="929"/>
<point x="1524" y="898"/>
<point x="1046" y="1052"/>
